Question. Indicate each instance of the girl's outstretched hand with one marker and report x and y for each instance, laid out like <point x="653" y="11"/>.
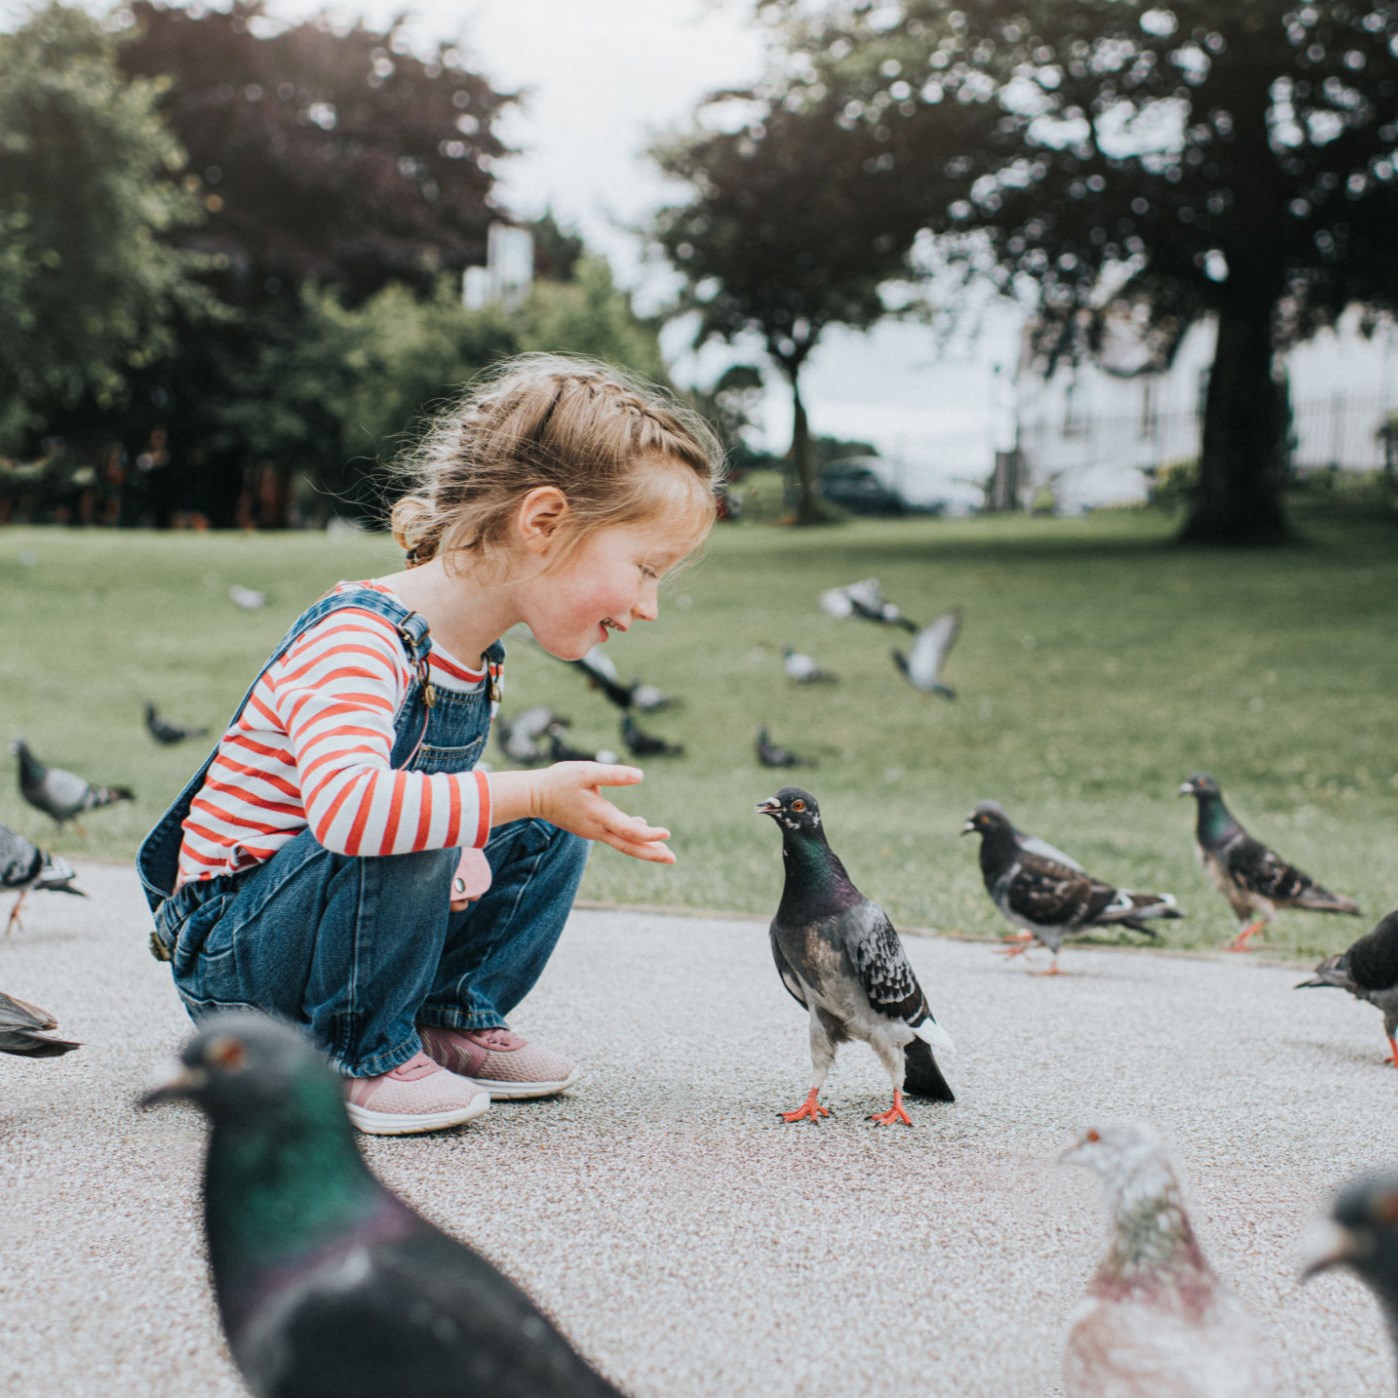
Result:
<point x="569" y="795"/>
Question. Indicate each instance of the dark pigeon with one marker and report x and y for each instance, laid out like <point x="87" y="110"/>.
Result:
<point x="328" y="1285"/>
<point x="1255" y="880"/>
<point x="839" y="957"/>
<point x="24" y="866"/>
<point x="62" y="795"/>
<point x="771" y="754"/>
<point x="561" y="750"/>
<point x="166" y="731"/>
<point x="922" y="666"/>
<point x="639" y="743"/>
<point x="1369" y="971"/>
<point x="602" y="675"/>
<point x="1362" y="1234"/>
<point x="1050" y="899"/>
<point x="22" y="1030"/>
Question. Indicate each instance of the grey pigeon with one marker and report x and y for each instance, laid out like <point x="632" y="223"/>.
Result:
<point x="1052" y="900"/>
<point x="22" y="1030"/>
<point x="803" y="669"/>
<point x="864" y="599"/>
<point x="24" y="866"/>
<point x="166" y="731"/>
<point x="639" y="743"/>
<point x="771" y="754"/>
<point x="521" y="737"/>
<point x="1156" y="1319"/>
<point x="1255" y="880"/>
<point x="1369" y="971"/>
<point x="327" y="1284"/>
<point x="922" y="666"/>
<point x="839" y="957"/>
<point x="62" y="795"/>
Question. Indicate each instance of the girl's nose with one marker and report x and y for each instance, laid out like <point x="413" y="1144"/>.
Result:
<point x="647" y="606"/>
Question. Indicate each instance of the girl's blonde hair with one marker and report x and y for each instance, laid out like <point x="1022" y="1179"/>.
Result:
<point x="619" y="449"/>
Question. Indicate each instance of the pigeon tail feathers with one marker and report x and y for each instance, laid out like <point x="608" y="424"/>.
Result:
<point x="921" y="1075"/>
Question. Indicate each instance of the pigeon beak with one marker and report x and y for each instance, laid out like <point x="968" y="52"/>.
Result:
<point x="970" y="827"/>
<point x="771" y="806"/>
<point x="177" y="1079"/>
<point x="1327" y="1245"/>
<point x="1186" y="789"/>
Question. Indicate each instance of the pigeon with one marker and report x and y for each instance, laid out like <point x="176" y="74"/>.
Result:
<point x="22" y="1029"/>
<point x="839" y="957"/>
<point x="864" y="599"/>
<point x="1156" y="1319"/>
<point x="803" y="669"/>
<point x="771" y="754"/>
<point x="922" y="666"/>
<point x="560" y="750"/>
<point x="1369" y="971"/>
<point x="248" y="598"/>
<point x="61" y="794"/>
<point x="327" y="1283"/>
<point x="1254" y="879"/>
<point x="639" y="743"/>
<point x="164" y="731"/>
<point x="602" y="674"/>
<point x="650" y="699"/>
<point x="1050" y="899"/>
<point x="520" y="737"/>
<point x="24" y="866"/>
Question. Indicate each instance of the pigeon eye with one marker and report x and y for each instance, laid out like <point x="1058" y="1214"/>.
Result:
<point x="798" y="805"/>
<point x="228" y="1054"/>
<point x="1093" y="1136"/>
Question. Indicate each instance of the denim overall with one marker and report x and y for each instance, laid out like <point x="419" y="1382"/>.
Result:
<point x="362" y="949"/>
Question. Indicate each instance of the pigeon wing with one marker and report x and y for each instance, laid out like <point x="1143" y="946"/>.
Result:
<point x="930" y="647"/>
<point x="883" y="966"/>
<point x="1260" y="870"/>
<point x="20" y="859"/>
<point x="64" y="790"/>
<point x="1373" y="960"/>
<point x="789" y="977"/>
<point x="1050" y="894"/>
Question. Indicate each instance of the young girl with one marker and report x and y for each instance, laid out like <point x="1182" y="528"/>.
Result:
<point x="319" y="865"/>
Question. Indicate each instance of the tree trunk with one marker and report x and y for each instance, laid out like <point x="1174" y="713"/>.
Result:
<point x="1242" y="461"/>
<point x="808" y="503"/>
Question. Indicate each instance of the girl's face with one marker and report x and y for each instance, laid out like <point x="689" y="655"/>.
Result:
<point x="609" y="582"/>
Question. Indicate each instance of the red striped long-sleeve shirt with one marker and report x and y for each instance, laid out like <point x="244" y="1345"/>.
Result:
<point x="312" y="748"/>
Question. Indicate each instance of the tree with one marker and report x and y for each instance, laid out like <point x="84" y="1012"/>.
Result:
<point x="783" y="237"/>
<point x="1146" y="162"/>
<point x="86" y="285"/>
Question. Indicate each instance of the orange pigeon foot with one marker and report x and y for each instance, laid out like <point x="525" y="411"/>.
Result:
<point x="894" y="1113"/>
<point x="809" y="1110"/>
<point x="1240" y="942"/>
<point x="1393" y="1049"/>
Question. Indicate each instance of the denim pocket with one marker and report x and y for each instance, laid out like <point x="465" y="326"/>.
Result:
<point x="203" y="943"/>
<point x="431" y="759"/>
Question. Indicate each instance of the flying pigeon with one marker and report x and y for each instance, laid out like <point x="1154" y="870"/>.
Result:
<point x="22" y="1029"/>
<point x="839" y="956"/>
<point x="1156" y="1318"/>
<point x="520" y="736"/>
<point x="771" y="754"/>
<point x="24" y="866"/>
<point x="165" y="731"/>
<point x="923" y="664"/>
<point x="561" y="750"/>
<point x="1369" y="971"/>
<point x="326" y="1283"/>
<point x="1254" y="879"/>
<point x="248" y="598"/>
<point x="639" y="743"/>
<point x="864" y="599"/>
<point x="803" y="669"/>
<point x="1048" y="898"/>
<point x="61" y="794"/>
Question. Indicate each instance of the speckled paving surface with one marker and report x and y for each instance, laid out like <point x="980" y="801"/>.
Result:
<point x="689" y="1241"/>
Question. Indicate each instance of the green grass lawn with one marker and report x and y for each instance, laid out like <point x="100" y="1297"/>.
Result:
<point x="1097" y="667"/>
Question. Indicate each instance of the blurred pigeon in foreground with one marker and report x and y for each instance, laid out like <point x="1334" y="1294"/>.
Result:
<point x="838" y="955"/>
<point x="923" y="664"/>
<point x="1369" y="971"/>
<point x="22" y="1029"/>
<point x="24" y="866"/>
<point x="1255" y="880"/>
<point x="1156" y="1319"/>
<point x="61" y="794"/>
<point x="248" y="598"/>
<point x="864" y="599"/>
<point x="1050" y="899"/>
<point x="165" y="731"/>
<point x="803" y="669"/>
<point x="326" y="1283"/>
<point x="639" y="743"/>
<point x="771" y="754"/>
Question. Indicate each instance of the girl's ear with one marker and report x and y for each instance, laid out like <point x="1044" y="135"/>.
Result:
<point x="541" y="517"/>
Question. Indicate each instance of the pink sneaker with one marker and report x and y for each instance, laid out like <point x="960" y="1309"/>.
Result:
<point x="416" y="1096"/>
<point x="507" y="1066"/>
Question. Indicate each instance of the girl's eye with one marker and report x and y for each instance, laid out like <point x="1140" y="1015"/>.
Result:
<point x="648" y="572"/>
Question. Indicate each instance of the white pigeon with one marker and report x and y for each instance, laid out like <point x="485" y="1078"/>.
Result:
<point x="248" y="598"/>
<point x="803" y="669"/>
<point x="923" y="663"/>
<point x="1156" y="1319"/>
<point x="864" y="599"/>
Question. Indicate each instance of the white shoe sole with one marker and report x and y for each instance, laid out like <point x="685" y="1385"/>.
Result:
<point x="519" y="1091"/>
<point x="403" y="1124"/>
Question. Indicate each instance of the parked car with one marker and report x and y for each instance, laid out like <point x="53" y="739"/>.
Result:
<point x="861" y="490"/>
